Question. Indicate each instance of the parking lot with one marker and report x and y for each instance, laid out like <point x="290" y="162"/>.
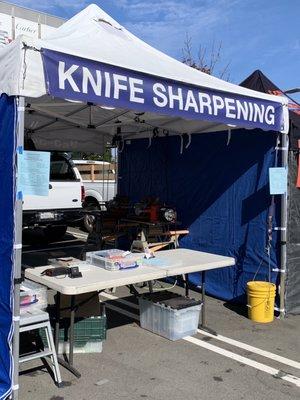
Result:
<point x="246" y="361"/>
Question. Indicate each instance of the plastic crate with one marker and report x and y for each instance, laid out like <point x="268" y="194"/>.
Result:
<point x="88" y="332"/>
<point x="169" y="315"/>
<point x="100" y="259"/>
<point x="32" y="295"/>
<point x="86" y="348"/>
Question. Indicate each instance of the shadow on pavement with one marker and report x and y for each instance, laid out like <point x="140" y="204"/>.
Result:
<point x="239" y="309"/>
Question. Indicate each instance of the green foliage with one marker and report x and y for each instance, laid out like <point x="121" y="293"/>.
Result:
<point x="107" y="156"/>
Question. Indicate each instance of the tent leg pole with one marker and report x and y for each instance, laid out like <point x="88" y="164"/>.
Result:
<point x="117" y="178"/>
<point x="17" y="257"/>
<point x="283" y="238"/>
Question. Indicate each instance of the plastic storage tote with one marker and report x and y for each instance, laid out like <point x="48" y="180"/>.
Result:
<point x="169" y="314"/>
<point x="32" y="295"/>
<point x="112" y="259"/>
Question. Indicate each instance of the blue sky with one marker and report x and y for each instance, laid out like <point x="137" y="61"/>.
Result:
<point x="255" y="34"/>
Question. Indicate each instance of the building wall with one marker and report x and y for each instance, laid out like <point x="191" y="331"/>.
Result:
<point x="15" y="21"/>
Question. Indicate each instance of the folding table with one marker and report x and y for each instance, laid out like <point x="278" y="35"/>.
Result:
<point x="172" y="263"/>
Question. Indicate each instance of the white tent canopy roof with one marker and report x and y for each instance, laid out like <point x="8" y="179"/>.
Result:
<point x="94" y="35"/>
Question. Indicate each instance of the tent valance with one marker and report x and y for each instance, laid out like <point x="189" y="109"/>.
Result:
<point x="75" y="78"/>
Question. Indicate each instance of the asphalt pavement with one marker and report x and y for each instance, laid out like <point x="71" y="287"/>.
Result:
<point x="246" y="361"/>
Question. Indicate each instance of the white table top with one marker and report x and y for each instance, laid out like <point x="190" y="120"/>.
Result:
<point x="185" y="261"/>
<point x="96" y="278"/>
<point x="178" y="261"/>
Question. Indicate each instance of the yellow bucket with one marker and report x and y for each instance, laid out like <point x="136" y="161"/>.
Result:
<point x="261" y="299"/>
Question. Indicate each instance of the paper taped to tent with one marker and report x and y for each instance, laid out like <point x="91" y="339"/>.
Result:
<point x="202" y="143"/>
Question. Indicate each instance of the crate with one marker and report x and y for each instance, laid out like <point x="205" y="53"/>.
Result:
<point x="169" y="314"/>
<point x="32" y="295"/>
<point x="86" y="348"/>
<point x="89" y="333"/>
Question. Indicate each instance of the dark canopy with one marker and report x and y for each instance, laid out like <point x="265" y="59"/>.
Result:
<point x="258" y="81"/>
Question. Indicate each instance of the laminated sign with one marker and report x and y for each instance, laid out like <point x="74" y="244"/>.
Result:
<point x="33" y="173"/>
<point x="278" y="180"/>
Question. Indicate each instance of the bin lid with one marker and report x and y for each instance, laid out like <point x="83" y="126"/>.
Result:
<point x="170" y="299"/>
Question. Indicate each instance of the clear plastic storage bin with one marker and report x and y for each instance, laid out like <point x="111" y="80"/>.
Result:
<point x="32" y="295"/>
<point x="169" y="314"/>
<point x="112" y="260"/>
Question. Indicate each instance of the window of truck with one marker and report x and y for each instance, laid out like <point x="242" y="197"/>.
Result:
<point x="61" y="169"/>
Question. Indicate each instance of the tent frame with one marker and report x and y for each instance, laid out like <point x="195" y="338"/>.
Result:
<point x="18" y="222"/>
<point x="18" y="230"/>
<point x="283" y="227"/>
<point x="22" y="75"/>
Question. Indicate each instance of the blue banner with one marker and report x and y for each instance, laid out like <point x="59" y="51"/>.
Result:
<point x="76" y="78"/>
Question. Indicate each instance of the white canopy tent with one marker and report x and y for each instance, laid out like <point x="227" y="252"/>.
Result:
<point x="92" y="34"/>
<point x="87" y="122"/>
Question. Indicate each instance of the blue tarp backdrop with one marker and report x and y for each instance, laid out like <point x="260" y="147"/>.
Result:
<point x="221" y="193"/>
<point x="7" y="143"/>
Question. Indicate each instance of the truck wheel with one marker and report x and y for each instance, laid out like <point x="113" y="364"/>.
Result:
<point x="88" y="220"/>
<point x="55" y="233"/>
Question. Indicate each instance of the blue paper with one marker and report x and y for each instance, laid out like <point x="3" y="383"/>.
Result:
<point x="278" y="180"/>
<point x="33" y="173"/>
<point x="154" y="262"/>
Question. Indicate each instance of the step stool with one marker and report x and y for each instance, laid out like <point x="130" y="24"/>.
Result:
<point x="38" y="319"/>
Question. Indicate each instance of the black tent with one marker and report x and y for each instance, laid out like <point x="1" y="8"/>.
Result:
<point x="258" y="81"/>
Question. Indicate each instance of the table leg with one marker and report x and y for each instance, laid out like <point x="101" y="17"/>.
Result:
<point x="203" y="313"/>
<point x="66" y="364"/>
<point x="71" y="332"/>
<point x="203" y="308"/>
<point x="103" y="309"/>
<point x="187" y="288"/>
<point x="57" y="319"/>
<point x="69" y="367"/>
<point x="150" y="284"/>
<point x="133" y="290"/>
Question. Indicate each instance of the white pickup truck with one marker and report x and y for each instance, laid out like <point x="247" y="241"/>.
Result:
<point x="99" y="180"/>
<point x="63" y="205"/>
